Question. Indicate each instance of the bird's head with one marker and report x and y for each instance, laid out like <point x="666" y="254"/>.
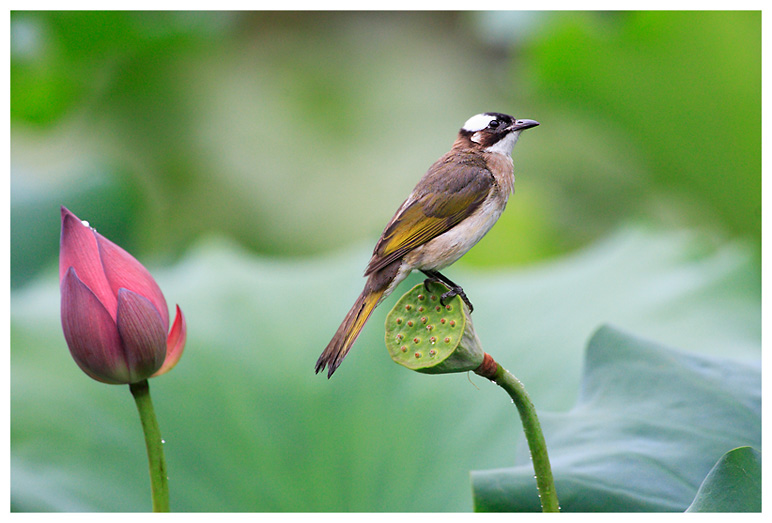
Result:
<point x="492" y="132"/>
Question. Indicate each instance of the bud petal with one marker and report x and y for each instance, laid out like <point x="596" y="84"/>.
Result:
<point x="91" y="333"/>
<point x="175" y="343"/>
<point x="142" y="333"/>
<point x="78" y="248"/>
<point x="123" y="271"/>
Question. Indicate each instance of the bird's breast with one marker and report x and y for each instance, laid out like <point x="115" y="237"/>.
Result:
<point x="503" y="170"/>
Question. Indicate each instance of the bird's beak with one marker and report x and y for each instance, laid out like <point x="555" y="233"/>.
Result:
<point x="520" y="125"/>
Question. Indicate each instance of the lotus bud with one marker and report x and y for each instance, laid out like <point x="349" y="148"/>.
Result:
<point x="114" y="315"/>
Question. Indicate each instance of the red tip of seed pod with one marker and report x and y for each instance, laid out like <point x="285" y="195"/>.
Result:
<point x="447" y="340"/>
<point x="452" y="323"/>
<point x="409" y="323"/>
<point x="416" y="340"/>
<point x="417" y="354"/>
<point x="443" y="321"/>
<point x="403" y="348"/>
<point x="408" y="307"/>
<point x="421" y="296"/>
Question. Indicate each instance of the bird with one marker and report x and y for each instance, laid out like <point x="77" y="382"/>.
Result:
<point x="450" y="209"/>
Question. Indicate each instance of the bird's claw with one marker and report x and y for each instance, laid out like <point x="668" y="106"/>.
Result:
<point x="452" y="293"/>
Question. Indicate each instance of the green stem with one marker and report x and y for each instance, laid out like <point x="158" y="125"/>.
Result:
<point x="155" y="452"/>
<point x="533" y="434"/>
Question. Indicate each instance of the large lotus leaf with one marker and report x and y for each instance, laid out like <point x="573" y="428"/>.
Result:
<point x="733" y="485"/>
<point x="250" y="427"/>
<point x="649" y="424"/>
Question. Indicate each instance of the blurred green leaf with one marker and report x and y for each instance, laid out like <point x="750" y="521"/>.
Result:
<point x="61" y="60"/>
<point x="250" y="427"/>
<point x="733" y="484"/>
<point x="643" y="434"/>
<point x="681" y="89"/>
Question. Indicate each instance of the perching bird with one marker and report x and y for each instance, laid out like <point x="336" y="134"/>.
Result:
<point x="450" y="209"/>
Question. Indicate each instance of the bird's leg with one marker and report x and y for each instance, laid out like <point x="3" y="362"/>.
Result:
<point x="431" y="277"/>
<point x="455" y="290"/>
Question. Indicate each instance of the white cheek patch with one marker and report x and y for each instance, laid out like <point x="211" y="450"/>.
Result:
<point x="505" y="145"/>
<point x="478" y="122"/>
<point x="476" y="137"/>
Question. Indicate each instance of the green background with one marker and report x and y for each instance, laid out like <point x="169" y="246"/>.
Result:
<point x="250" y="161"/>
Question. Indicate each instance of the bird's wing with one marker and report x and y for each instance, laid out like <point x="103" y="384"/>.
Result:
<point x="450" y="191"/>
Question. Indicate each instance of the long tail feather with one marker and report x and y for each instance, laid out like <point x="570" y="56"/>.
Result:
<point x="349" y="330"/>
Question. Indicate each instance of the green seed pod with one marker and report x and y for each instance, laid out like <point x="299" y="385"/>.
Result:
<point x="424" y="335"/>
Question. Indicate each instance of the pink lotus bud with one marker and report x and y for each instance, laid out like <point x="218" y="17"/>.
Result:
<point x="114" y="316"/>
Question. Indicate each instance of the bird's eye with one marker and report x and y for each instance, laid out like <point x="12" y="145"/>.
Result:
<point x="493" y="124"/>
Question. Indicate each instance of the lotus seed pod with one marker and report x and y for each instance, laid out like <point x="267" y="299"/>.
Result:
<point x="427" y="336"/>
